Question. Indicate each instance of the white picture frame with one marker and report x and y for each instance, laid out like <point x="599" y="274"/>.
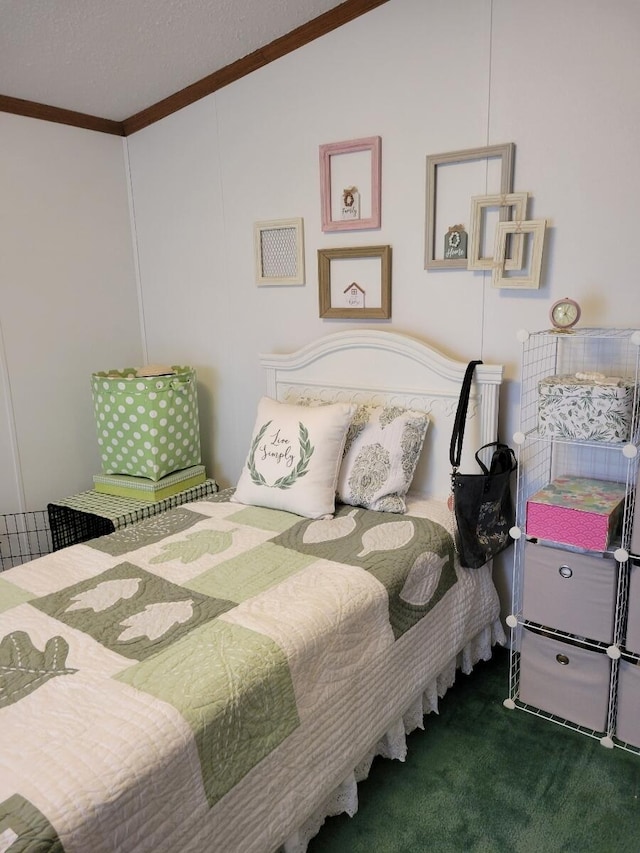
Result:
<point x="479" y="207"/>
<point x="531" y="280"/>
<point x="279" y="252"/>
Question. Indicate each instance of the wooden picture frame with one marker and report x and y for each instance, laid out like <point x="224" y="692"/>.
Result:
<point x="479" y="205"/>
<point x="331" y="186"/>
<point x="505" y="153"/>
<point x="354" y="283"/>
<point x="279" y="251"/>
<point x="534" y="227"/>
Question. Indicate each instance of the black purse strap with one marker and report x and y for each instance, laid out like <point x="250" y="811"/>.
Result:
<point x="502" y="461"/>
<point x="457" y="436"/>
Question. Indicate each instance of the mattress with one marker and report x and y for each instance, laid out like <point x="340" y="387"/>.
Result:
<point x="207" y="679"/>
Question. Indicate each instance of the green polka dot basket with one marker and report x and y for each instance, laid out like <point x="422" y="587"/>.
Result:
<point x="147" y="425"/>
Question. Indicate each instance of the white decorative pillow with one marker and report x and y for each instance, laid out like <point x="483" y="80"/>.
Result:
<point x="294" y="458"/>
<point x="380" y="457"/>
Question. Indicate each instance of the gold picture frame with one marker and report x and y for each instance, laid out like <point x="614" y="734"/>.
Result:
<point x="354" y="283"/>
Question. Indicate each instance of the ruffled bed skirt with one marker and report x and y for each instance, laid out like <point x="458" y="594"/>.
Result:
<point x="393" y="744"/>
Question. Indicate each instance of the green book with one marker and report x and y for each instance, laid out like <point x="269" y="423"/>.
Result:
<point x="126" y="486"/>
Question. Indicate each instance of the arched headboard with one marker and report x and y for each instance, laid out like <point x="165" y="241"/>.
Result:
<point x="380" y="367"/>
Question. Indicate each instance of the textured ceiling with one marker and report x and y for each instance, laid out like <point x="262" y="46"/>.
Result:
<point x="113" y="58"/>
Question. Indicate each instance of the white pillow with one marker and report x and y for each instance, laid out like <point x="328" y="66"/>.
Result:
<point x="294" y="457"/>
<point x="380" y="457"/>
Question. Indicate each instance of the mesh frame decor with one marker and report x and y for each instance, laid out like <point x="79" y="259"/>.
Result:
<point x="279" y="251"/>
<point x="278" y="247"/>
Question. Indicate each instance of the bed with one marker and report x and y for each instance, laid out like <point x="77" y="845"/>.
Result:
<point x="221" y="676"/>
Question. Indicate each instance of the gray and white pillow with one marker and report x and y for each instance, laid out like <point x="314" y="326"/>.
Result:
<point x="380" y="457"/>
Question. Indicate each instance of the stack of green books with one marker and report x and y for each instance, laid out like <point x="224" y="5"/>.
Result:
<point x="143" y="489"/>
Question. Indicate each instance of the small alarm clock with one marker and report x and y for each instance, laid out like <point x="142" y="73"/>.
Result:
<point x="564" y="314"/>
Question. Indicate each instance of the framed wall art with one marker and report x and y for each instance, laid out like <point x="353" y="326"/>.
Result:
<point x="479" y="235"/>
<point x="279" y="251"/>
<point x="493" y="164"/>
<point x="355" y="283"/>
<point x="533" y="231"/>
<point x="350" y="174"/>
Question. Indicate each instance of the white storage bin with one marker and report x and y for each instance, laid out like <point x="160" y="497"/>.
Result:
<point x="568" y="681"/>
<point x="632" y="640"/>
<point x="628" y="718"/>
<point x="575" y="593"/>
<point x="635" y="529"/>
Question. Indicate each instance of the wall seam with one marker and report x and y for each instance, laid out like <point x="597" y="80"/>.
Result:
<point x="485" y="277"/>
<point x="11" y="423"/>
<point x="136" y="251"/>
<point x="228" y="366"/>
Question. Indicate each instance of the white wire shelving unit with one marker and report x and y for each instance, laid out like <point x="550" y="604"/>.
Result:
<point x="541" y="458"/>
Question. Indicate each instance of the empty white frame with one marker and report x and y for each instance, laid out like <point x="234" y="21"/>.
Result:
<point x="535" y="228"/>
<point x="279" y="251"/>
<point x="505" y="153"/>
<point x="331" y="188"/>
<point x="479" y="206"/>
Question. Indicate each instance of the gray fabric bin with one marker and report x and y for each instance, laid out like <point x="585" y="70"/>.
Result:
<point x="632" y="640"/>
<point x="565" y="680"/>
<point x="635" y="528"/>
<point x="628" y="716"/>
<point x="575" y="593"/>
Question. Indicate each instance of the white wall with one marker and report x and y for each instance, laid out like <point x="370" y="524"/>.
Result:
<point x="68" y="302"/>
<point x="202" y="177"/>
<point x="557" y="77"/>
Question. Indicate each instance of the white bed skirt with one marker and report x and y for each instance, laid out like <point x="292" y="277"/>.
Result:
<point x="393" y="744"/>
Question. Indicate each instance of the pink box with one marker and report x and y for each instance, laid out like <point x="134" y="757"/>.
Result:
<point x="577" y="511"/>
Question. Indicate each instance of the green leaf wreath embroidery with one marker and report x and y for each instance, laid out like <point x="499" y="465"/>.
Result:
<point x="256" y="476"/>
<point x="24" y="668"/>
<point x="306" y="452"/>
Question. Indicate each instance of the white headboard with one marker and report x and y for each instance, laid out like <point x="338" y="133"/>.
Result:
<point x="372" y="366"/>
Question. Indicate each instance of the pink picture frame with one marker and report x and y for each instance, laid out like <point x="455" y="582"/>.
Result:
<point x="370" y="193"/>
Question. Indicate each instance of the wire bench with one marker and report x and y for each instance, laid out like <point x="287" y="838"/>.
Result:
<point x="23" y="537"/>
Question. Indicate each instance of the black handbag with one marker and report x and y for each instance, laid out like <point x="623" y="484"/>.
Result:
<point x="482" y="503"/>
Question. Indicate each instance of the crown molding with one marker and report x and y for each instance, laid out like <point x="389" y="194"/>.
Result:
<point x="302" y="35"/>
<point x="31" y="109"/>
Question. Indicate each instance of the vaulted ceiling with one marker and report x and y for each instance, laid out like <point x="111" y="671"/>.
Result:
<point x="119" y="65"/>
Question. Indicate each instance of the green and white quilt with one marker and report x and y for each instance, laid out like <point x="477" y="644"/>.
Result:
<point x="200" y="681"/>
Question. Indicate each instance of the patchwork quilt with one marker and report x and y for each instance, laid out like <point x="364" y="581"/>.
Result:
<point x="198" y="681"/>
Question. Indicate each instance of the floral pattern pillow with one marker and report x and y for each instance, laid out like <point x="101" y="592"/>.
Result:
<point x="381" y="453"/>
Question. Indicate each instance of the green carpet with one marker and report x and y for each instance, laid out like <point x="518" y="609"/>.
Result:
<point x="483" y="779"/>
